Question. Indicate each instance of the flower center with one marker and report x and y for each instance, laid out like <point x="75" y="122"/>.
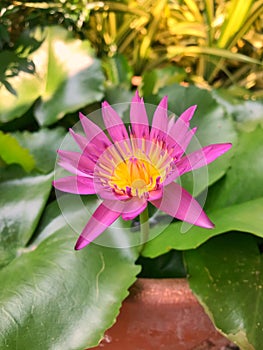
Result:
<point x="139" y="184"/>
<point x="135" y="176"/>
<point x="134" y="169"/>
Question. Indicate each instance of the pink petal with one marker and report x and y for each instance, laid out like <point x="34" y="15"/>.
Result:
<point x="89" y="149"/>
<point x="188" y="138"/>
<point x="178" y="203"/>
<point x="181" y="144"/>
<point x="171" y="123"/>
<point x="138" y="117"/>
<point x="160" y="119"/>
<point x="201" y="157"/>
<point x="107" y="192"/>
<point x="75" y="163"/>
<point x="94" y="133"/>
<point x="133" y="207"/>
<point x="113" y="123"/>
<point x="80" y="140"/>
<point x="75" y="184"/>
<point x="187" y="115"/>
<point x="153" y="195"/>
<point x="197" y="159"/>
<point x="179" y="131"/>
<point x="102" y="218"/>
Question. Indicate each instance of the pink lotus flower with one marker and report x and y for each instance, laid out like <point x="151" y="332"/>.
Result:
<point x="135" y="167"/>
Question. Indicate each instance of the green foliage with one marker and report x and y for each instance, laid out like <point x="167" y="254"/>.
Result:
<point x="71" y="76"/>
<point x="61" y="298"/>
<point x="43" y="145"/>
<point x="12" y="152"/>
<point x="226" y="275"/>
<point x="212" y="42"/>
<point x="23" y="199"/>
<point x="245" y="217"/>
<point x="215" y="43"/>
<point x="245" y="175"/>
<point x="11" y="65"/>
<point x="118" y="71"/>
<point x="66" y="77"/>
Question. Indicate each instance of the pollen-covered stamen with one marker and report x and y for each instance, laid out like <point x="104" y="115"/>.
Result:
<point x="134" y="171"/>
<point x="160" y="156"/>
<point x="139" y="176"/>
<point x="135" y="176"/>
<point x="123" y="148"/>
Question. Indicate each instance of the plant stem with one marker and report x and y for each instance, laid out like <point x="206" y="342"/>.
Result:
<point x="144" y="226"/>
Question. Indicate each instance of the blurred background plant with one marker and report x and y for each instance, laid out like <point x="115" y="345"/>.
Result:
<point x="216" y="43"/>
<point x="59" y="57"/>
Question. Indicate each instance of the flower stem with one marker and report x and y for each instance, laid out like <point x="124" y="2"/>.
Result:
<point x="145" y="227"/>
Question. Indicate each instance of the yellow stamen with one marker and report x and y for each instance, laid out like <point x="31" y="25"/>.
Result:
<point x="135" y="170"/>
<point x="136" y="174"/>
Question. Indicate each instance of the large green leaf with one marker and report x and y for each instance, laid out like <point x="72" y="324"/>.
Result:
<point x="12" y="152"/>
<point x="243" y="181"/>
<point x="26" y="87"/>
<point x="72" y="76"/>
<point x="214" y="126"/>
<point x="247" y="113"/>
<point x="53" y="297"/>
<point x="43" y="145"/>
<point x="66" y="77"/>
<point x="226" y="276"/>
<point x="245" y="217"/>
<point x="22" y="201"/>
<point x="155" y="79"/>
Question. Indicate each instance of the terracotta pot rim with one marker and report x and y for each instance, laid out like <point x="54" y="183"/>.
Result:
<point x="168" y="290"/>
<point x="162" y="314"/>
